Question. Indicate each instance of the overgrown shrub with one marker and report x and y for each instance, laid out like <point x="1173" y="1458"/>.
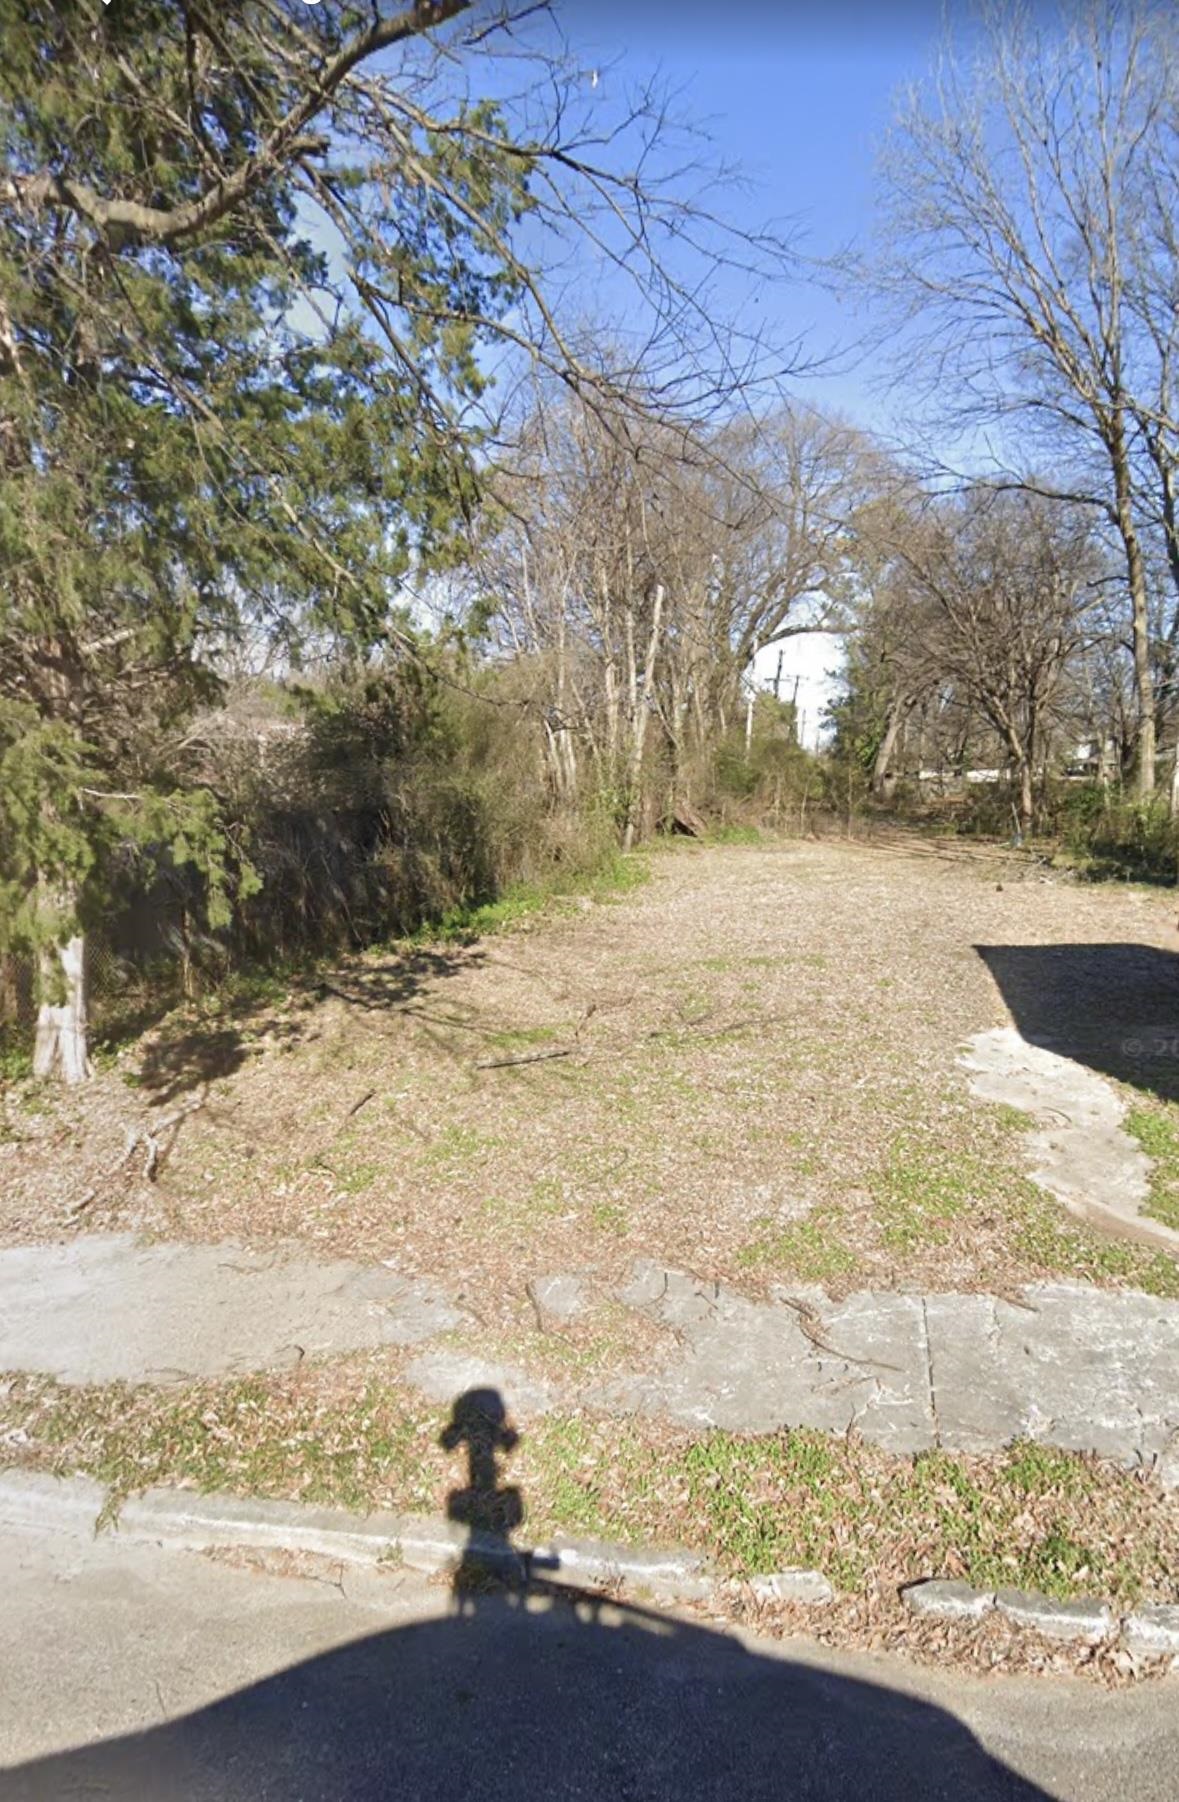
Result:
<point x="767" y="780"/>
<point x="364" y="808"/>
<point x="1118" y="835"/>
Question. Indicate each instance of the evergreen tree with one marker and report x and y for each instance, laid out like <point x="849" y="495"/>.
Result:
<point x="251" y="259"/>
<point x="201" y="433"/>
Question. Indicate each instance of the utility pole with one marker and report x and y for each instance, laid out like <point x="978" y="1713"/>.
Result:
<point x="749" y="678"/>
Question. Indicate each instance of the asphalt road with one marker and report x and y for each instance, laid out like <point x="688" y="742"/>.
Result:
<point x="131" y="1672"/>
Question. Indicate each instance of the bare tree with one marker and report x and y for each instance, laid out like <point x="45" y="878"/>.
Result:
<point x="1002" y="589"/>
<point x="1021" y="186"/>
<point x="639" y="568"/>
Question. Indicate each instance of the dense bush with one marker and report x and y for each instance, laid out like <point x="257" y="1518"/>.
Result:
<point x="1116" y="835"/>
<point x="1093" y="825"/>
<point x="355" y="811"/>
<point x="766" y="779"/>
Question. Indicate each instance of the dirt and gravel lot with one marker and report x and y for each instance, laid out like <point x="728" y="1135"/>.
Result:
<point x="746" y="1066"/>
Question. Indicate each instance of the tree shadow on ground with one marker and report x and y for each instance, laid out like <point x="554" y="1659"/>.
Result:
<point x="178" y="1062"/>
<point x="194" y="1054"/>
<point x="1113" y="1007"/>
<point x="532" y="1689"/>
<point x="394" y="981"/>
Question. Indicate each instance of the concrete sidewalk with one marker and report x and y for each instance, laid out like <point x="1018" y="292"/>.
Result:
<point x="1085" y="1369"/>
<point x="107" y="1306"/>
<point x="130" y="1672"/>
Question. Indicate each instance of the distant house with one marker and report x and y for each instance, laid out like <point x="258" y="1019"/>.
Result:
<point x="955" y="779"/>
<point x="1091" y="761"/>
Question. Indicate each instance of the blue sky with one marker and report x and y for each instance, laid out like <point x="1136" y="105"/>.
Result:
<point x="799" y="99"/>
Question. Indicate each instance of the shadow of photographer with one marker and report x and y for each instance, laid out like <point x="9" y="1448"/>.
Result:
<point x="530" y="1688"/>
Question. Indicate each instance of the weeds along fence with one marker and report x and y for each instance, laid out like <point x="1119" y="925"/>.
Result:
<point x="123" y="982"/>
<point x="332" y="881"/>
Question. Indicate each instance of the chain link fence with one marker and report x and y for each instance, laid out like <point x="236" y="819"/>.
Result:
<point x="122" y="981"/>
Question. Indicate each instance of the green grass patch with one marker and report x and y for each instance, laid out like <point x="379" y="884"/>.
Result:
<point x="1032" y="1517"/>
<point x="547" y="1195"/>
<point x="611" y="880"/>
<point x="922" y="1187"/>
<point x="353" y="1179"/>
<point x="809" y="1249"/>
<point x="457" y="1145"/>
<point x="1012" y="1119"/>
<point x="1155" y="1125"/>
<point x="561" y="1452"/>
<point x="1044" y="1241"/>
<point x="248" y="1437"/>
<point x="733" y="835"/>
<point x="1044" y="1469"/>
<point x="469" y="921"/>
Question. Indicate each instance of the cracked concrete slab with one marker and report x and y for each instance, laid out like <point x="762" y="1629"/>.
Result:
<point x="558" y="1298"/>
<point x="1078" y="1151"/>
<point x="105" y="1307"/>
<point x="1085" y="1369"/>
<point x="1079" y="1368"/>
<point x="751" y="1366"/>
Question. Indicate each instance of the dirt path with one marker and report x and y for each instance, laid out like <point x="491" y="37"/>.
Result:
<point x="747" y="1068"/>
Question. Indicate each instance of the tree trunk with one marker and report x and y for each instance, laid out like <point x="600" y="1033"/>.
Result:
<point x="1144" y="744"/>
<point x="642" y="703"/>
<point x="897" y="714"/>
<point x="1027" y="802"/>
<point x="60" y="1046"/>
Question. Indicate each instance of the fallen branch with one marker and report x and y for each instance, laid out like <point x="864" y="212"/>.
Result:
<point x="146" y="1136"/>
<point x="149" y="1137"/>
<point x="527" y="1057"/>
<point x="363" y="1102"/>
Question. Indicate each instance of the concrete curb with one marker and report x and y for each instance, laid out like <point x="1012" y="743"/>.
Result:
<point x="1147" y="1632"/>
<point x="36" y="1501"/>
<point x="189" y="1521"/>
<point x="33" y="1498"/>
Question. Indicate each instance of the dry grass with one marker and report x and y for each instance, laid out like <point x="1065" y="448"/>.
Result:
<point x="759" y="1082"/>
<point x="346" y="1433"/>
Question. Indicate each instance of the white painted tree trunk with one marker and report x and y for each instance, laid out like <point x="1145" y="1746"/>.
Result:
<point x="640" y="710"/>
<point x="60" y="1046"/>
